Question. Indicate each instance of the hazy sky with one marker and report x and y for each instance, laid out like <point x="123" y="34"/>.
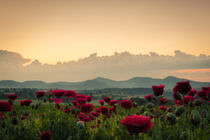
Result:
<point x="120" y="66"/>
<point x="64" y="30"/>
<point x="131" y="38"/>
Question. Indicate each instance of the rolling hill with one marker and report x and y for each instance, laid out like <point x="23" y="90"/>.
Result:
<point x="102" y="83"/>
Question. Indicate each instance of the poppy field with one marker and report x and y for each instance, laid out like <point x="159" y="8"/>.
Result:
<point x="66" y="115"/>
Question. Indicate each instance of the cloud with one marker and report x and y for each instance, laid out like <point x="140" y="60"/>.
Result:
<point x="119" y="66"/>
<point x="12" y="58"/>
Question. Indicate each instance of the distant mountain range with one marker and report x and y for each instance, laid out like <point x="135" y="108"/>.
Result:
<point x="102" y="83"/>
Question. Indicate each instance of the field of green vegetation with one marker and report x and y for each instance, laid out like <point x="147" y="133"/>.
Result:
<point x="67" y="115"/>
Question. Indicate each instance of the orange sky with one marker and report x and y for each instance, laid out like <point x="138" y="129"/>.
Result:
<point x="52" y="30"/>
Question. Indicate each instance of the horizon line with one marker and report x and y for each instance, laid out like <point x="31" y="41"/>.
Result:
<point x="105" y="78"/>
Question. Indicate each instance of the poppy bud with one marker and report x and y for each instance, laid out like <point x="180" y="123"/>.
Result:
<point x="135" y="104"/>
<point x="179" y="110"/>
<point x="204" y="114"/>
<point x="80" y="124"/>
<point x="42" y="115"/>
<point x="195" y="117"/>
<point x="183" y="135"/>
<point x="10" y="102"/>
<point x="204" y="124"/>
<point x="37" y="105"/>
<point x="99" y="122"/>
<point x="32" y="106"/>
<point x="14" y="121"/>
<point x="177" y="96"/>
<point x="149" y="105"/>
<point x="171" y="117"/>
<point x="162" y="118"/>
<point x="152" y="110"/>
<point x="146" y="113"/>
<point x="163" y="100"/>
<point x="26" y="113"/>
<point x="57" y="106"/>
<point x="171" y="109"/>
<point x="191" y="104"/>
<point x="160" y="97"/>
<point x="142" y="110"/>
<point x="46" y="135"/>
<point x="197" y="102"/>
<point x="22" y="117"/>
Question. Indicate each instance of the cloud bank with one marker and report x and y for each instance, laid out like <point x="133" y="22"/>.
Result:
<point x="119" y="66"/>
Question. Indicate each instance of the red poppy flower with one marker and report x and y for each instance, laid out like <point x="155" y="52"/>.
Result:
<point x="22" y="102"/>
<point x="50" y="100"/>
<point x="74" y="103"/>
<point x="5" y="106"/>
<point x="74" y="110"/>
<point x="98" y="110"/>
<point x="86" y="119"/>
<point x="178" y="102"/>
<point x="27" y="102"/>
<point x="103" y="110"/>
<point x="46" y="135"/>
<point x="148" y="97"/>
<point x="82" y="116"/>
<point x="40" y="94"/>
<point x="80" y="96"/>
<point x="106" y="99"/>
<point x="205" y="88"/>
<point x="101" y="102"/>
<point x="192" y="92"/>
<point x="96" y="114"/>
<point x="113" y="102"/>
<point x="81" y="100"/>
<point x="197" y="102"/>
<point x="58" y="100"/>
<point x="86" y="108"/>
<point x="112" y="109"/>
<point x="137" y="124"/>
<point x="12" y="96"/>
<point x="203" y="94"/>
<point x="163" y="108"/>
<point x="89" y="98"/>
<point x="58" y="93"/>
<point x="70" y="93"/>
<point x="127" y="104"/>
<point x="91" y="116"/>
<point x="67" y="110"/>
<point x="158" y="90"/>
<point x="163" y="100"/>
<point x="182" y="87"/>
<point x="188" y="98"/>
